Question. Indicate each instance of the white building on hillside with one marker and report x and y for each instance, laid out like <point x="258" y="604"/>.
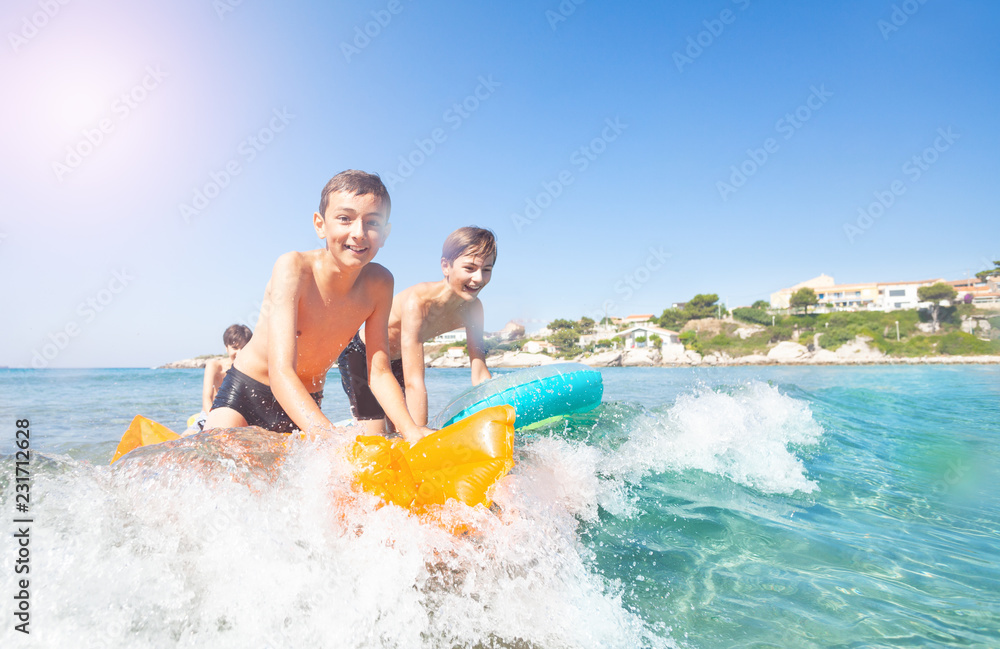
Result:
<point x="638" y="336"/>
<point x="451" y="337"/>
<point x="539" y="346"/>
<point x="641" y="318"/>
<point x="780" y="299"/>
<point x="900" y="295"/>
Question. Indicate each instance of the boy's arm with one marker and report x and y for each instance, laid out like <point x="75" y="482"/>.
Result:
<point x="412" y="349"/>
<point x="282" y="319"/>
<point x="474" y="341"/>
<point x="208" y="385"/>
<point x="380" y="379"/>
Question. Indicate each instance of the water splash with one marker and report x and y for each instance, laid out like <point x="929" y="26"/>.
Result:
<point x="747" y="434"/>
<point x="155" y="553"/>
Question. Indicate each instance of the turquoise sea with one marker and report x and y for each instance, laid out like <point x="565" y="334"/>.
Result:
<point x="703" y="508"/>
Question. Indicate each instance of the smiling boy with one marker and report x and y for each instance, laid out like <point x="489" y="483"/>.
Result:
<point x="313" y="304"/>
<point x="419" y="314"/>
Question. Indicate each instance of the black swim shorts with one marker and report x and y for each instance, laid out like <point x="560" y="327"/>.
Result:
<point x="353" y="364"/>
<point x="255" y="402"/>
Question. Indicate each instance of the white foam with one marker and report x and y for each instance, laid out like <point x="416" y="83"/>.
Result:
<point x="746" y="435"/>
<point x="126" y="559"/>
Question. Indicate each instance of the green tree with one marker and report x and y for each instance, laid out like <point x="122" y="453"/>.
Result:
<point x="690" y="340"/>
<point x="673" y="318"/>
<point x="564" y="339"/>
<point x="586" y="325"/>
<point x="702" y="305"/>
<point x="803" y="298"/>
<point x="560" y="323"/>
<point x="983" y="274"/>
<point x="761" y="304"/>
<point x="752" y="314"/>
<point x="934" y="294"/>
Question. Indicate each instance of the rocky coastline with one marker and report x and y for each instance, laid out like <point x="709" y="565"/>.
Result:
<point x="857" y="352"/>
<point x="189" y="363"/>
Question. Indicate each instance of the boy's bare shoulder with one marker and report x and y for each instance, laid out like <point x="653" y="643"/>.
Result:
<point x="474" y="307"/>
<point x="291" y="264"/>
<point x="418" y="294"/>
<point x="376" y="273"/>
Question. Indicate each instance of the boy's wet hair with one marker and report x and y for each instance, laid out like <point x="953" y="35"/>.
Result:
<point x="358" y="183"/>
<point x="237" y="336"/>
<point x="470" y="240"/>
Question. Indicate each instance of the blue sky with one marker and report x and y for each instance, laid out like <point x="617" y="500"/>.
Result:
<point x="626" y="126"/>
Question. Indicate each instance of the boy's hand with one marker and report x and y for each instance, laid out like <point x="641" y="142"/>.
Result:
<point x="416" y="434"/>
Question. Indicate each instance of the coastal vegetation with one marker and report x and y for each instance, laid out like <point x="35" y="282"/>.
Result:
<point x="757" y="328"/>
<point x="934" y="294"/>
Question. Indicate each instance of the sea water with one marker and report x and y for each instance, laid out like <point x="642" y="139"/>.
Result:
<point x="703" y="508"/>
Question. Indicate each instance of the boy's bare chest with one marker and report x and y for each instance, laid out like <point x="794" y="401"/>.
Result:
<point x="326" y="323"/>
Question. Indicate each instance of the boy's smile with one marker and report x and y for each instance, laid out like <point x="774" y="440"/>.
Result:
<point x="355" y="227"/>
<point x="467" y="275"/>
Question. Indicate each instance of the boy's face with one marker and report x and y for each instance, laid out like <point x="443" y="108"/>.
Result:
<point x="231" y="351"/>
<point x="354" y="227"/>
<point x="468" y="274"/>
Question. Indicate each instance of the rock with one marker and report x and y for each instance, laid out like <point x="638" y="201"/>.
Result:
<point x="693" y="357"/>
<point x="858" y="351"/>
<point x="786" y="351"/>
<point x="641" y="357"/>
<point x="747" y="331"/>
<point x="926" y="327"/>
<point x="189" y="363"/>
<point x="520" y="359"/>
<point x="711" y="325"/>
<point x="674" y="353"/>
<point x="752" y="359"/>
<point x="450" y="361"/>
<point x="604" y="359"/>
<point x="825" y="356"/>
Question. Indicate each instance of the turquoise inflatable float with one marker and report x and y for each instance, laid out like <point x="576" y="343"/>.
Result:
<point x="537" y="393"/>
